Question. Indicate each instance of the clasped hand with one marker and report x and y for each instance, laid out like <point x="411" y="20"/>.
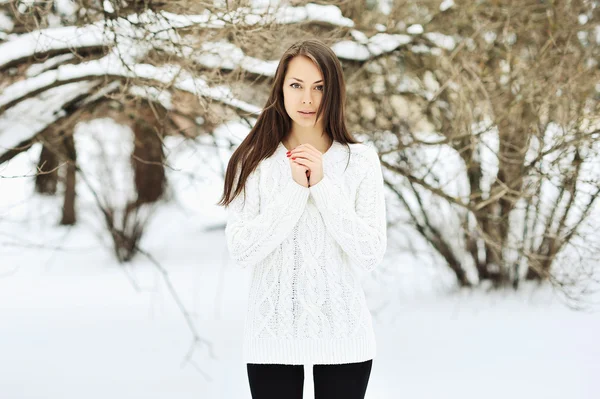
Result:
<point x="311" y="158"/>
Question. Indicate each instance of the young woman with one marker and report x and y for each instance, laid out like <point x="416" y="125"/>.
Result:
<point x="312" y="218"/>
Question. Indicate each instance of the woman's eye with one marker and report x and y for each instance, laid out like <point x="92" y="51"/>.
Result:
<point x="297" y="85"/>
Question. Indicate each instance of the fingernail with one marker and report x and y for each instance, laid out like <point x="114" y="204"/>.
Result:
<point x="293" y="158"/>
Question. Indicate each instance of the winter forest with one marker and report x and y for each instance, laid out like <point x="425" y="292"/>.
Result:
<point x="118" y="118"/>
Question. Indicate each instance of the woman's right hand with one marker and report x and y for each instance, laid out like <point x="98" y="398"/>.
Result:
<point x="299" y="173"/>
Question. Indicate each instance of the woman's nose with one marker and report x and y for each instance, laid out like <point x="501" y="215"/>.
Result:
<point x="306" y="99"/>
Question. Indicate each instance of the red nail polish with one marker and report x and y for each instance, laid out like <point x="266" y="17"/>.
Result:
<point x="293" y="158"/>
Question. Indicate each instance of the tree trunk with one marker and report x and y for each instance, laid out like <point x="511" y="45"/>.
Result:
<point x="46" y="178"/>
<point x="148" y="159"/>
<point x="68" y="216"/>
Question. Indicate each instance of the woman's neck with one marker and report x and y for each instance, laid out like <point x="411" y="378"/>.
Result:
<point x="320" y="142"/>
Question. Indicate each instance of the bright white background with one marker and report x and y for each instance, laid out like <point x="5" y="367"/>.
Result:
<point x="76" y="324"/>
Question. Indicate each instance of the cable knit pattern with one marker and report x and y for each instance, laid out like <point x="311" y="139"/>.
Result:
<point x="307" y="248"/>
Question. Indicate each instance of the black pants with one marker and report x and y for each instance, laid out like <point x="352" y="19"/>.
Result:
<point x="331" y="381"/>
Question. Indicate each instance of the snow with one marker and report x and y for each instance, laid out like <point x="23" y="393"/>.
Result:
<point x="441" y="40"/>
<point x="63" y="38"/>
<point x="385" y="6"/>
<point x="77" y="324"/>
<point x="122" y="60"/>
<point x="511" y="38"/>
<point x="384" y="43"/>
<point x="50" y="63"/>
<point x="66" y="7"/>
<point x="132" y="45"/>
<point x="408" y="84"/>
<point x="33" y="115"/>
<point x="108" y="7"/>
<point x="111" y="65"/>
<point x="489" y="36"/>
<point x="154" y="94"/>
<point x="226" y="55"/>
<point x="446" y="5"/>
<point x="359" y="36"/>
<point x="415" y="29"/>
<point x="104" y="150"/>
<point x="376" y="45"/>
<point x="488" y="147"/>
<point x="205" y="20"/>
<point x="6" y="24"/>
<point x="350" y="50"/>
<point x="262" y="13"/>
<point x="553" y="167"/>
<point x="161" y="24"/>
<point x="313" y="12"/>
<point x="420" y="49"/>
<point x="436" y="51"/>
<point x="430" y="84"/>
<point x="260" y="4"/>
<point x="23" y="6"/>
<point x="105" y="90"/>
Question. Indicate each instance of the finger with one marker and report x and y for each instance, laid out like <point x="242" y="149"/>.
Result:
<point x="302" y="162"/>
<point x="304" y="154"/>
<point x="298" y="161"/>
<point x="306" y="160"/>
<point x="306" y="149"/>
<point x="301" y="156"/>
<point x="314" y="150"/>
<point x="309" y="146"/>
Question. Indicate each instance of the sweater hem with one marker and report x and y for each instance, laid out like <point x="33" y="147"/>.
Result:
<point x="309" y="351"/>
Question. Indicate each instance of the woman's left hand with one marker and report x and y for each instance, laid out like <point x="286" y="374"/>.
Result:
<point x="307" y="155"/>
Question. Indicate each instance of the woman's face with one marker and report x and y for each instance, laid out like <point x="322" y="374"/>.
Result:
<point x="302" y="91"/>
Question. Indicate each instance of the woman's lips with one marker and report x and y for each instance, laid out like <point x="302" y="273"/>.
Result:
<point x="306" y="114"/>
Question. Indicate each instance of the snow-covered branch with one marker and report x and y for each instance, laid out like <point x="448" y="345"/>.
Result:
<point x="111" y="66"/>
<point x="53" y="41"/>
<point x="30" y="117"/>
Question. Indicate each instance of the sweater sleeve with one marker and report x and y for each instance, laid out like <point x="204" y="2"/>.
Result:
<point x="359" y="226"/>
<point x="255" y="229"/>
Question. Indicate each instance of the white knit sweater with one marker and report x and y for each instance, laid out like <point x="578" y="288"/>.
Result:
<point x="307" y="248"/>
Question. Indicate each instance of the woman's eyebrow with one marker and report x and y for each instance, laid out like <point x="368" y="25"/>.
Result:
<point x="299" y="80"/>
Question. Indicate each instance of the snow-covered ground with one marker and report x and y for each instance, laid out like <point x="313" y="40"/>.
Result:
<point x="75" y="324"/>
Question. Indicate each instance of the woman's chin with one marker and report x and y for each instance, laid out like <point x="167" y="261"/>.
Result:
<point x="305" y="122"/>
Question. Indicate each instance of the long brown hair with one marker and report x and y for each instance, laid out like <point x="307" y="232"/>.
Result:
<point x="274" y="123"/>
